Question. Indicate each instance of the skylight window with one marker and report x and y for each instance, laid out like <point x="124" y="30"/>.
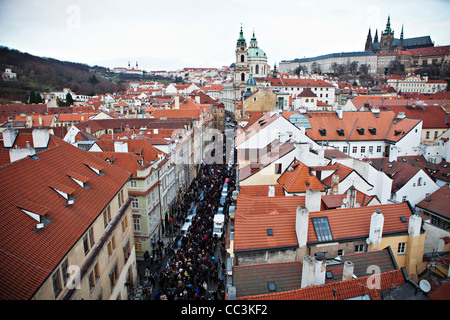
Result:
<point x="270" y="232"/>
<point x="322" y="229"/>
<point x="271" y="286"/>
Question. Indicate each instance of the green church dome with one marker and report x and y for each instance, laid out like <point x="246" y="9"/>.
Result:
<point x="256" y="53"/>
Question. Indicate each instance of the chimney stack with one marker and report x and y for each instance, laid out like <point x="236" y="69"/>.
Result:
<point x="347" y="272"/>
<point x="351" y="197"/>
<point x="9" y="137"/>
<point x="313" y="200"/>
<point x="271" y="191"/>
<point x="376" y="227"/>
<point x="120" y="146"/>
<point x="301" y="225"/>
<point x="313" y="272"/>
<point x="334" y="184"/>
<point x="41" y="138"/>
<point x="177" y="102"/>
<point x="320" y="270"/>
<point x="393" y="152"/>
<point x="414" y="226"/>
<point x="308" y="272"/>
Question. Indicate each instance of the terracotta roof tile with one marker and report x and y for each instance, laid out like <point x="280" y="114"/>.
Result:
<point x="252" y="280"/>
<point x="28" y="257"/>
<point x="339" y="290"/>
<point x="261" y="190"/>
<point x="298" y="178"/>
<point x="437" y="202"/>
<point x="255" y="215"/>
<point x="386" y="126"/>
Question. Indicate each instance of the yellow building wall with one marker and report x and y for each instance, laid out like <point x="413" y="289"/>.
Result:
<point x="412" y="257"/>
<point x="76" y="258"/>
<point x="265" y="101"/>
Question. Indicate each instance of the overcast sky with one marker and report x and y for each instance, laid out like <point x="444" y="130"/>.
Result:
<point x="173" y="34"/>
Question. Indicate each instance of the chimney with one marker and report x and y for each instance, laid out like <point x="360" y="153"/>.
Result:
<point x="177" y="102"/>
<point x="393" y="151"/>
<point x="401" y="115"/>
<point x="20" y="153"/>
<point x="351" y="197"/>
<point x="334" y="184"/>
<point x="320" y="270"/>
<point x="414" y="226"/>
<point x="313" y="272"/>
<point x="120" y="146"/>
<point x="301" y="225"/>
<point x="9" y="137"/>
<point x="40" y="138"/>
<point x="308" y="272"/>
<point x="339" y="113"/>
<point x="312" y="200"/>
<point x="376" y="227"/>
<point x="347" y="272"/>
<point x="197" y="99"/>
<point x="271" y="191"/>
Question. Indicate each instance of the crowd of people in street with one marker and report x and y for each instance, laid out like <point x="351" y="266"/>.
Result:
<point x="193" y="267"/>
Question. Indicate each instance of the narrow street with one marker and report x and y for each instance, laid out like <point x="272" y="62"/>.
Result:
<point x="193" y="266"/>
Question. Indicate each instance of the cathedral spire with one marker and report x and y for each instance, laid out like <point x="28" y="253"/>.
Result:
<point x="388" y="26"/>
<point x="375" y="39"/>
<point x="401" y="34"/>
<point x="368" y="46"/>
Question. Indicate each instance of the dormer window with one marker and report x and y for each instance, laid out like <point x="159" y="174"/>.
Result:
<point x="340" y="132"/>
<point x="360" y="131"/>
<point x="63" y="190"/>
<point x="79" y="179"/>
<point x="35" y="211"/>
<point x="323" y="132"/>
<point x="95" y="167"/>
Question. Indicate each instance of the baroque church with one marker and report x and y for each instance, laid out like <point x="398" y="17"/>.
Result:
<point x="250" y="67"/>
<point x="388" y="43"/>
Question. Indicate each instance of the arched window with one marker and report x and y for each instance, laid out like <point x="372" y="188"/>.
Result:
<point x="257" y="69"/>
<point x="242" y="76"/>
<point x="242" y="58"/>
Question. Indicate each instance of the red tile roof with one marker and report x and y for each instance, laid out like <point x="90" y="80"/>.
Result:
<point x="261" y="190"/>
<point x="287" y="82"/>
<point x="298" y="178"/>
<point x="252" y="280"/>
<point x="339" y="290"/>
<point x="386" y="125"/>
<point x="255" y="215"/>
<point x="437" y="202"/>
<point x="28" y="257"/>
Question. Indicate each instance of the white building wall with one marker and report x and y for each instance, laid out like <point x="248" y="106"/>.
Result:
<point x="413" y="192"/>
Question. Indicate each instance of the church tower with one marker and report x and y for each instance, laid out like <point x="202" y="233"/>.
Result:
<point x="368" y="46"/>
<point x="241" y="69"/>
<point x="387" y="37"/>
